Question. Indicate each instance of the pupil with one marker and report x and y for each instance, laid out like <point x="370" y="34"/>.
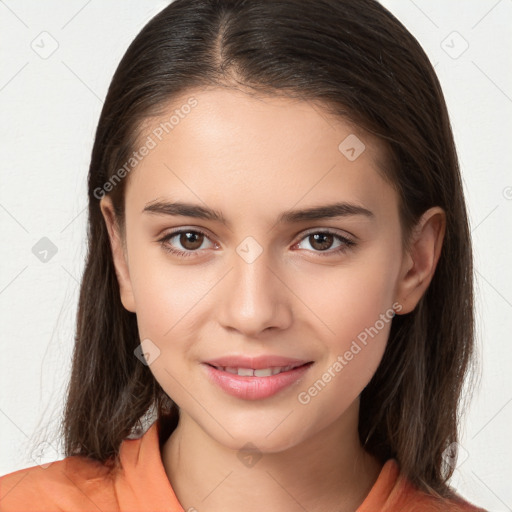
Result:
<point x="325" y="241"/>
<point x="187" y="240"/>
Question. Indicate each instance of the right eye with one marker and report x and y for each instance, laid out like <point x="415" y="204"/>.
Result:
<point x="190" y="239"/>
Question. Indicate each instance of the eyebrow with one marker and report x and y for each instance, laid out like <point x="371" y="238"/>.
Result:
<point x="328" y="211"/>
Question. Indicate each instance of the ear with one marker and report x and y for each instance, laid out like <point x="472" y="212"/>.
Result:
<point x="118" y="254"/>
<point x="420" y="261"/>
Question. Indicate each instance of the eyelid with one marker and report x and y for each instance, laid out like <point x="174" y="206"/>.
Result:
<point x="318" y="229"/>
<point x="332" y="231"/>
<point x="181" y="230"/>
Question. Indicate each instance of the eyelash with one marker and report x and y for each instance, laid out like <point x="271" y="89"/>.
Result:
<point x="346" y="242"/>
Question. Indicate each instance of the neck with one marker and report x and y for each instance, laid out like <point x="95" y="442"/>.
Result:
<point x="328" y="471"/>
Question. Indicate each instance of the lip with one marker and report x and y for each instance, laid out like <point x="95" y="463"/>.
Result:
<point x="256" y="363"/>
<point x="255" y="388"/>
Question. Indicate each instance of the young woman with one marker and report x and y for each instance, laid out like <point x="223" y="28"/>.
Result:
<point x="276" y="311"/>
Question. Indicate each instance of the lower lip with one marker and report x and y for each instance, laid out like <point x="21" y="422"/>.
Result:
<point x="255" y="388"/>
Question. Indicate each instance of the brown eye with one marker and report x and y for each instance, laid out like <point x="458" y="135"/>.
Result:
<point x="321" y="241"/>
<point x="326" y="243"/>
<point x="184" y="242"/>
<point x="191" y="240"/>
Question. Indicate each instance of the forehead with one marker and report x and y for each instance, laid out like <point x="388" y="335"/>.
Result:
<point x="234" y="150"/>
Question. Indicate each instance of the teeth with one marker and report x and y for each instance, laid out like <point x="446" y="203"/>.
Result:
<point x="264" y="372"/>
<point x="249" y="372"/>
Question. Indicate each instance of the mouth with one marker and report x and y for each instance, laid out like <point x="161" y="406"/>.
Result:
<point x="259" y="372"/>
<point x="250" y="383"/>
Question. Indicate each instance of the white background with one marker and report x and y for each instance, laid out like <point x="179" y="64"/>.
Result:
<point x="49" y="110"/>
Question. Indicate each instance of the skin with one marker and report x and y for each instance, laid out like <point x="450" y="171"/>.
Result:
<point x="253" y="158"/>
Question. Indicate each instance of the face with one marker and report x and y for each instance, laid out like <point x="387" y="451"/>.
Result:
<point x="260" y="280"/>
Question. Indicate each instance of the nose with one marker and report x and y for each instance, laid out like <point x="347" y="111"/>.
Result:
<point x="254" y="296"/>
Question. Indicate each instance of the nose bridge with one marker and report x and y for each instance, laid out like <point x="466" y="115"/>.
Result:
<point x="255" y="298"/>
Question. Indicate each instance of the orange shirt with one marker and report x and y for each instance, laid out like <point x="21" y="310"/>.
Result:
<point x="80" y="484"/>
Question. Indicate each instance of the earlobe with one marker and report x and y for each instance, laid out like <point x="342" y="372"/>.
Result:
<point x="420" y="263"/>
<point x="118" y="254"/>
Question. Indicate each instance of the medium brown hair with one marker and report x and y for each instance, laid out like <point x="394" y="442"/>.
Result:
<point x="359" y="62"/>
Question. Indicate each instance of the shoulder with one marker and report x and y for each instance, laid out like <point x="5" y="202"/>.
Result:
<point x="74" y="483"/>
<point x="393" y="492"/>
<point x="411" y="499"/>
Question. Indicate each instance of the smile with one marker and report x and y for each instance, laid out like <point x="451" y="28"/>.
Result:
<point x="255" y="384"/>
<point x="250" y="372"/>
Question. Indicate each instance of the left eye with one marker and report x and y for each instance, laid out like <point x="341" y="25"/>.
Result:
<point x="192" y="240"/>
<point x="321" y="241"/>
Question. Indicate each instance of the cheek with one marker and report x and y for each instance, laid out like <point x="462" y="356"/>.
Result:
<point x="165" y="293"/>
<point x="168" y="301"/>
<point x="354" y="310"/>
<point x="165" y="303"/>
<point x="351" y="297"/>
<point x="173" y="304"/>
<point x="359" y="325"/>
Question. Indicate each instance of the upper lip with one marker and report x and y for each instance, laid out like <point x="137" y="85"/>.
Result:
<point x="256" y="363"/>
